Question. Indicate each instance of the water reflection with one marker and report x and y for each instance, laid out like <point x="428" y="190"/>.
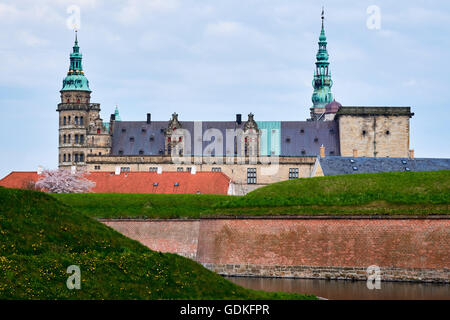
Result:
<point x="348" y="290"/>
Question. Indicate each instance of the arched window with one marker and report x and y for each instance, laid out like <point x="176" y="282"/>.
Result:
<point x="81" y="157"/>
<point x="81" y="120"/>
<point x="76" y="120"/>
<point x="76" y="139"/>
<point x="64" y="138"/>
<point x="69" y="120"/>
<point x="69" y="141"/>
<point x="68" y="157"/>
<point x="64" y="120"/>
<point x="64" y="157"/>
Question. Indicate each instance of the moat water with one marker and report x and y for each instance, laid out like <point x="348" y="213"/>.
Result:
<point x="348" y="290"/>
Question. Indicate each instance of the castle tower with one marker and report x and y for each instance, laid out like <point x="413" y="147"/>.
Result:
<point x="322" y="82"/>
<point x="79" y="120"/>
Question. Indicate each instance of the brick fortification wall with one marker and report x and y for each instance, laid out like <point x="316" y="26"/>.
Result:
<point x="333" y="248"/>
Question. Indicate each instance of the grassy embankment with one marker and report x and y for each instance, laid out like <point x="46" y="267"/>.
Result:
<point x="396" y="193"/>
<point x="40" y="237"/>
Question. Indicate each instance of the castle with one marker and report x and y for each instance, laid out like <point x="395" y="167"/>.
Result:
<point x="249" y="152"/>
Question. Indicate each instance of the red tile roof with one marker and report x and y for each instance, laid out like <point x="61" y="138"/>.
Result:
<point x="139" y="182"/>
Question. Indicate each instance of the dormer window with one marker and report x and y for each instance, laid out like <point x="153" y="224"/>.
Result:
<point x="141" y="152"/>
<point x="131" y="139"/>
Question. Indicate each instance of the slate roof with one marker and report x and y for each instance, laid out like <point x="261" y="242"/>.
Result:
<point x="139" y="182"/>
<point x="332" y="166"/>
<point x="130" y="137"/>
<point x="304" y="138"/>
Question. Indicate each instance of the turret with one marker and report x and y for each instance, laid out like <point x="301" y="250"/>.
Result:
<point x="79" y="120"/>
<point x="322" y="82"/>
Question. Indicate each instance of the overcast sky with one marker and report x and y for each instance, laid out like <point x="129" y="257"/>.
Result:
<point x="211" y="59"/>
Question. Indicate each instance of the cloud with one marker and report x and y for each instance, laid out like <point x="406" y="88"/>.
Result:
<point x="135" y="10"/>
<point x="30" y="39"/>
<point x="224" y="28"/>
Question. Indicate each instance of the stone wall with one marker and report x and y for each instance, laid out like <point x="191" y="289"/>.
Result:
<point x="408" y="249"/>
<point x="374" y="136"/>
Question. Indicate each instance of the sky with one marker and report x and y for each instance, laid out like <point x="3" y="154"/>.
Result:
<point x="208" y="60"/>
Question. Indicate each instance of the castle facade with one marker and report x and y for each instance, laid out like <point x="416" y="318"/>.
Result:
<point x="250" y="152"/>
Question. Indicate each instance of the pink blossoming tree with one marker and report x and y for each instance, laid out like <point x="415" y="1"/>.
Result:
<point x="64" y="181"/>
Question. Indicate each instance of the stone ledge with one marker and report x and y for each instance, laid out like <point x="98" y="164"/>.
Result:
<point x="330" y="273"/>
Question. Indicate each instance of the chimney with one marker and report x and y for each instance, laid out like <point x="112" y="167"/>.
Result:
<point x="411" y="154"/>
<point x="355" y="153"/>
<point x="238" y="118"/>
<point x="149" y="118"/>
<point x="322" y="151"/>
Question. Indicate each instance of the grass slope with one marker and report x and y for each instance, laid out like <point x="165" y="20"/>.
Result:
<point x="40" y="237"/>
<point x="392" y="193"/>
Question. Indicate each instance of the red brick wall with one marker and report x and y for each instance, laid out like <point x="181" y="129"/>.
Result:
<point x="404" y="243"/>
<point x="398" y="243"/>
<point x="176" y="236"/>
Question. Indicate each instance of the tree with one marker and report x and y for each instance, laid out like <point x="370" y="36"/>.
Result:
<point x="64" y="181"/>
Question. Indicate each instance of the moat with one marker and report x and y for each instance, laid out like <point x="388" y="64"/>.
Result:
<point x="348" y="290"/>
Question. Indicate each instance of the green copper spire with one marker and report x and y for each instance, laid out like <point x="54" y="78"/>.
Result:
<point x="116" y="114"/>
<point x="322" y="82"/>
<point x="75" y="79"/>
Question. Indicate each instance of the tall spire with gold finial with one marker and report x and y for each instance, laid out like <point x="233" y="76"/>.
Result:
<point x="75" y="79"/>
<point x="322" y="82"/>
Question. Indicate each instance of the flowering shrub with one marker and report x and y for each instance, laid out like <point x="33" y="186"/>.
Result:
<point x="64" y="181"/>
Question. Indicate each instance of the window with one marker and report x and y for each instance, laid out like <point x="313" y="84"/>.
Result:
<point x="76" y="120"/>
<point x="124" y="130"/>
<point x="316" y="139"/>
<point x="293" y="173"/>
<point x="64" y="120"/>
<point x="179" y="169"/>
<point x="69" y="139"/>
<point x="131" y="139"/>
<point x="302" y="131"/>
<point x="364" y="132"/>
<point x="388" y="132"/>
<point x="288" y="139"/>
<point x="216" y="169"/>
<point x="153" y="169"/>
<point x="68" y="157"/>
<point x="251" y="175"/>
<point x="68" y="120"/>
<point x="303" y="152"/>
<point x="96" y="167"/>
<point x="81" y="120"/>
<point x="76" y="157"/>
<point x="81" y="157"/>
<point x="120" y="152"/>
<point x="64" y="157"/>
<point x="98" y="131"/>
<point x="125" y="169"/>
<point x="141" y="152"/>
<point x="155" y="184"/>
<point x="76" y="138"/>
<point x="81" y="138"/>
<point x="64" y="138"/>
<point x="188" y="169"/>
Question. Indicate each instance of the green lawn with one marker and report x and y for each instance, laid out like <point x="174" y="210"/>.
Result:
<point x="40" y="237"/>
<point x="395" y="193"/>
